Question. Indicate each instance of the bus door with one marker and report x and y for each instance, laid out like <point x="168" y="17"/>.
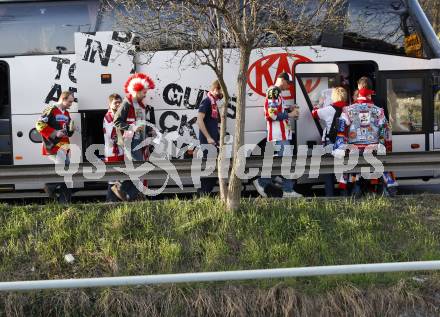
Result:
<point x="312" y="83"/>
<point x="5" y="116"/>
<point x="408" y="101"/>
<point x="436" y="100"/>
<point x="104" y="61"/>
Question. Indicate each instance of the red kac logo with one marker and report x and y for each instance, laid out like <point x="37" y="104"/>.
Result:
<point x="263" y="72"/>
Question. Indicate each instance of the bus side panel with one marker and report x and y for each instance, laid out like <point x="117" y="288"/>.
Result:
<point x="104" y="62"/>
<point x="39" y="80"/>
<point x="28" y="152"/>
<point x="180" y="86"/>
<point x="409" y="142"/>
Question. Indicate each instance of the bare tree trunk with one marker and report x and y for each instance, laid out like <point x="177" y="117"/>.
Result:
<point x="234" y="188"/>
<point x="436" y="20"/>
<point x="222" y="166"/>
<point x="432" y="10"/>
<point x="222" y="163"/>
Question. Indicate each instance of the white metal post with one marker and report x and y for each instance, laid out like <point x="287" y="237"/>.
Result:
<point x="220" y="276"/>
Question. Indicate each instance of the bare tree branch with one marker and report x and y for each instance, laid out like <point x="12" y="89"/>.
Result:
<point x="204" y="28"/>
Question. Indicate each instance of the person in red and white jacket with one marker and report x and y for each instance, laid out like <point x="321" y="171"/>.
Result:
<point x="329" y="116"/>
<point x="132" y="129"/>
<point x="112" y="151"/>
<point x="130" y="118"/>
<point x="277" y="115"/>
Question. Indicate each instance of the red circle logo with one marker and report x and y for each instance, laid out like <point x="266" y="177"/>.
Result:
<point x="263" y="73"/>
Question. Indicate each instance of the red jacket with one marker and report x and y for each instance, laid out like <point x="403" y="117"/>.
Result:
<point x="53" y="119"/>
<point x="113" y="152"/>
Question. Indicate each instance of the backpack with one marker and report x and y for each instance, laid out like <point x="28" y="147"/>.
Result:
<point x="333" y="131"/>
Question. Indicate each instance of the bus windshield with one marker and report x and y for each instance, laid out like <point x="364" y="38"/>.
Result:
<point x="383" y="26"/>
<point x="44" y="27"/>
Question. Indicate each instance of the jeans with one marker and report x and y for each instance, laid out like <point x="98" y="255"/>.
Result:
<point x="207" y="183"/>
<point x="59" y="191"/>
<point x="288" y="184"/>
<point x="329" y="185"/>
<point x="127" y="186"/>
<point x="138" y="155"/>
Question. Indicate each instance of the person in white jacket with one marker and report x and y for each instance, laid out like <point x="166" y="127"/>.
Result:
<point x="329" y="116"/>
<point x="112" y="151"/>
<point x="330" y="113"/>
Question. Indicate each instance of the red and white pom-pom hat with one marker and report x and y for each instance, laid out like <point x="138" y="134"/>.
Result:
<point x="138" y="82"/>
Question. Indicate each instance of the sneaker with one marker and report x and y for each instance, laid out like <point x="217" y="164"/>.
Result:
<point x="116" y="189"/>
<point x="259" y="188"/>
<point x="292" y="194"/>
<point x="390" y="191"/>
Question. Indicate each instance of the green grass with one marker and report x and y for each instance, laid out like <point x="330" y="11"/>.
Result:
<point x="191" y="236"/>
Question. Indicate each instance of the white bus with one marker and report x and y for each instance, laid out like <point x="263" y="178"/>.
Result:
<point x="51" y="46"/>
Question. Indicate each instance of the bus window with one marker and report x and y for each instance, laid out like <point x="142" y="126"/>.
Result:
<point x="5" y="108"/>
<point x="404" y="99"/>
<point x="319" y="89"/>
<point x="382" y="26"/>
<point x="108" y="20"/>
<point x="437" y="109"/>
<point x="44" y="27"/>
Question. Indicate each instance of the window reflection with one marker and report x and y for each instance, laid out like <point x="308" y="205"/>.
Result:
<point x="316" y="88"/>
<point x="44" y="27"/>
<point x="404" y="99"/>
<point x="382" y="26"/>
<point x="437" y="109"/>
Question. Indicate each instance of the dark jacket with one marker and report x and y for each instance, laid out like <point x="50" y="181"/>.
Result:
<point x="125" y="119"/>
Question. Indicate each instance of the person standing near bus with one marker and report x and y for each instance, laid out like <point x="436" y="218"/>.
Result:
<point x="207" y="121"/>
<point x="363" y="124"/>
<point x="56" y="127"/>
<point x="131" y="126"/>
<point x="329" y="117"/>
<point x="130" y="118"/>
<point x="277" y="115"/>
<point x="112" y="150"/>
